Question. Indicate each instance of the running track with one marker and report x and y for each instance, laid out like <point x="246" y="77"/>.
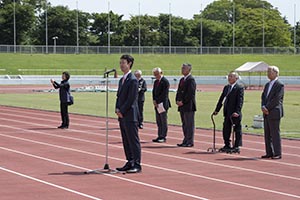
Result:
<point x="38" y="161"/>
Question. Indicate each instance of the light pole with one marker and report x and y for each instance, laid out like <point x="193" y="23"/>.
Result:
<point x="233" y="27"/>
<point x="77" y="29"/>
<point x="108" y="29"/>
<point x="139" y="27"/>
<point x="201" y="30"/>
<point x="263" y="29"/>
<point x="54" y="39"/>
<point x="170" y="29"/>
<point x="46" y="24"/>
<point x="295" y="38"/>
<point x="15" y="35"/>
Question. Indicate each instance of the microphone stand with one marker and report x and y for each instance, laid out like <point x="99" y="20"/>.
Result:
<point x="106" y="169"/>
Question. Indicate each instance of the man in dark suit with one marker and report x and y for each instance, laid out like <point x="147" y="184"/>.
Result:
<point x="232" y="98"/>
<point x="272" y="108"/>
<point x="186" y="102"/>
<point x="64" y="97"/>
<point x="141" y="97"/>
<point x="161" y="104"/>
<point x="127" y="112"/>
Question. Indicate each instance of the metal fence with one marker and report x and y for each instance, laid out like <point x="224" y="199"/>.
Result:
<point x="35" y="49"/>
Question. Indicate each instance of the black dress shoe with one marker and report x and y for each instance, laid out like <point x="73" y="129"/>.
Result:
<point x="267" y="156"/>
<point x="185" y="145"/>
<point x="134" y="170"/>
<point x="63" y="127"/>
<point x="159" y="140"/>
<point x="141" y="126"/>
<point x="276" y="157"/>
<point x="126" y="167"/>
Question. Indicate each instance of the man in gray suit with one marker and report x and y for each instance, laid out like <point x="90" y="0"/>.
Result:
<point x="271" y="106"/>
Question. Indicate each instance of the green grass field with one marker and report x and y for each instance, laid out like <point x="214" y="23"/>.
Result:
<point x="94" y="104"/>
<point x="207" y="64"/>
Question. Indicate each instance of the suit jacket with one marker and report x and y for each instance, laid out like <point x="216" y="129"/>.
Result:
<point x="186" y="93"/>
<point x="273" y="102"/>
<point x="160" y="92"/>
<point x="127" y="97"/>
<point x="233" y="102"/>
<point x="64" y="91"/>
<point x="142" y="89"/>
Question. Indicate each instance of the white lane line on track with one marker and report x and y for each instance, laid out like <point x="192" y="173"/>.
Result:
<point x="165" y="169"/>
<point x="141" y="133"/>
<point x="48" y="183"/>
<point x="113" y="176"/>
<point x="91" y="133"/>
<point x="146" y="128"/>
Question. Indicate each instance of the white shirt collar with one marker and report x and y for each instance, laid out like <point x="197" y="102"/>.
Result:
<point x="185" y="77"/>
<point x="232" y="86"/>
<point x="273" y="81"/>
<point x="125" y="75"/>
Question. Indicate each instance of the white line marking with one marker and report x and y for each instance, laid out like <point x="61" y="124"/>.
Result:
<point x="87" y="120"/>
<point x="98" y="134"/>
<point x="165" y="169"/>
<point x="250" y="149"/>
<point x="48" y="183"/>
<point x="113" y="176"/>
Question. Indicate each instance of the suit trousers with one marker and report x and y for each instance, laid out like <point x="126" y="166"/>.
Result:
<point x="141" y="112"/>
<point x="131" y="141"/>
<point x="272" y="136"/>
<point x="227" y="128"/>
<point x="188" y="126"/>
<point x="64" y="114"/>
<point x="162" y="124"/>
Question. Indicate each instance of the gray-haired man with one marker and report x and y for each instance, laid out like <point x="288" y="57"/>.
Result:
<point x="271" y="105"/>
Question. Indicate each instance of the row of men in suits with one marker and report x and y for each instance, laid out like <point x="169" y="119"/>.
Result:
<point x="231" y="99"/>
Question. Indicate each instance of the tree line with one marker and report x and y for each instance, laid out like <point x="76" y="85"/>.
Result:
<point x="251" y="23"/>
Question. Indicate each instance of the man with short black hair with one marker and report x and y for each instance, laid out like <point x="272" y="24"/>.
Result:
<point x="127" y="112"/>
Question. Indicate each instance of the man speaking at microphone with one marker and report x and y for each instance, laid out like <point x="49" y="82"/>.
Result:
<point x="127" y="112"/>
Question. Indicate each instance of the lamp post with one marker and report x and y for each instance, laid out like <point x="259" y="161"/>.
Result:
<point x="54" y="39"/>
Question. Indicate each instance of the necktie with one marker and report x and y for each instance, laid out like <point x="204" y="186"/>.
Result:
<point x="181" y="82"/>
<point x="123" y="80"/>
<point x="157" y="83"/>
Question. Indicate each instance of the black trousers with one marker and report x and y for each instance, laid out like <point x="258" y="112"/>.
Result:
<point x="64" y="114"/>
<point x="162" y="124"/>
<point x="141" y="112"/>
<point x="188" y="126"/>
<point x="131" y="142"/>
<point x="227" y="129"/>
<point x="272" y="136"/>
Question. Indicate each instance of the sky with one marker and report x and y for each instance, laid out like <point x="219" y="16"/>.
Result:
<point x="183" y="8"/>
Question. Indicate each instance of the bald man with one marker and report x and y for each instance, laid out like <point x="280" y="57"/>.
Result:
<point x="272" y="108"/>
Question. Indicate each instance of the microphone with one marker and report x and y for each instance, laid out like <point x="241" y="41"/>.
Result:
<point x="109" y="71"/>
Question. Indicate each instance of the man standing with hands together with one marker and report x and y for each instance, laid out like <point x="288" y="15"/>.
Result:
<point x="186" y="102"/>
<point x="127" y="112"/>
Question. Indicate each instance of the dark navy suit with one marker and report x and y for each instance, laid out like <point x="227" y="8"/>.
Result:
<point x="127" y="104"/>
<point x="233" y="99"/>
<point x="64" y="97"/>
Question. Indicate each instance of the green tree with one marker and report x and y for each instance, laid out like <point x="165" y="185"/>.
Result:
<point x="99" y="28"/>
<point x="62" y="23"/>
<point x="149" y="31"/>
<point x="24" y="20"/>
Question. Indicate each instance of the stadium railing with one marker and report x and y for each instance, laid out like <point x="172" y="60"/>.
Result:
<point x="38" y="49"/>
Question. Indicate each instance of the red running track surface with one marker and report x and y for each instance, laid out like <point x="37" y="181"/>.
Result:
<point x="39" y="161"/>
